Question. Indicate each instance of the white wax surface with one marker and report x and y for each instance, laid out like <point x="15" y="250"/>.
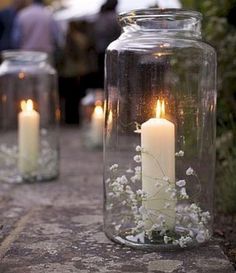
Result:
<point x="158" y="161"/>
<point x="28" y="138"/>
<point x="97" y="127"/>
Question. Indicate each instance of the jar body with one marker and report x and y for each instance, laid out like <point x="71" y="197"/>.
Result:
<point x="159" y="164"/>
<point x="29" y="132"/>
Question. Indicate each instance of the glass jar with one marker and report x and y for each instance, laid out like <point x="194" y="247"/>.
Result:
<point x="29" y="118"/>
<point x="159" y="131"/>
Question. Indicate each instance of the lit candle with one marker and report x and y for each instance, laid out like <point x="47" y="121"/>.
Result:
<point x="97" y="126"/>
<point x="28" y="138"/>
<point x="158" y="168"/>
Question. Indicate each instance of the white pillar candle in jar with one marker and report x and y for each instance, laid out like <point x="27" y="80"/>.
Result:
<point x="158" y="169"/>
<point x="28" y="138"/>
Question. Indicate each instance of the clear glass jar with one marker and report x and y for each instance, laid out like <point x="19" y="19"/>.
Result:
<point x="29" y="118"/>
<point x="159" y="131"/>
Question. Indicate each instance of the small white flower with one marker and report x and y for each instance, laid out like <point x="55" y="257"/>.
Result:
<point x="180" y="153"/>
<point x="139" y="192"/>
<point x="191" y="233"/>
<point x="142" y="210"/>
<point x="114" y="167"/>
<point x="140" y="224"/>
<point x="183" y="193"/>
<point x="117" y="227"/>
<point x="135" y="178"/>
<point x="181" y="183"/>
<point x="190" y="171"/>
<point x="138" y="169"/>
<point x="167" y="239"/>
<point x="137" y="158"/>
<point x="108" y="181"/>
<point x="111" y="194"/>
<point x="129" y="170"/>
<point x="138" y="148"/>
<point x="123" y="180"/>
<point x="124" y="203"/>
<point x="201" y="238"/>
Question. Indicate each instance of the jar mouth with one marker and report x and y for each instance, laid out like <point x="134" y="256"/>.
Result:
<point x="24" y="56"/>
<point x="177" y="14"/>
<point x="169" y="20"/>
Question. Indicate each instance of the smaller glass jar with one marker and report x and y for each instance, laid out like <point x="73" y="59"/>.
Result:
<point x="29" y="118"/>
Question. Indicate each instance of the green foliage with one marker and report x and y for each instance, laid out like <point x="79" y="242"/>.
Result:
<point x="221" y="35"/>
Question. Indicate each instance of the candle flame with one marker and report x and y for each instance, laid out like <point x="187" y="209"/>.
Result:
<point x="98" y="110"/>
<point x="27" y="105"/>
<point x="160" y="109"/>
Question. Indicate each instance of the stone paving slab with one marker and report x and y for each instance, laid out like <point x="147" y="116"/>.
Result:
<point x="57" y="227"/>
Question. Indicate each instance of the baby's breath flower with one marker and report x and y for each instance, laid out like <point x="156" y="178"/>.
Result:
<point x="138" y="148"/>
<point x="180" y="153"/>
<point x="117" y="227"/>
<point x="167" y="239"/>
<point x="135" y="178"/>
<point x="181" y="183"/>
<point x="137" y="158"/>
<point x="141" y="193"/>
<point x="142" y="210"/>
<point x="123" y="180"/>
<point x="183" y="193"/>
<point x="129" y="170"/>
<point x="140" y="224"/>
<point x="190" y="171"/>
<point x="108" y="181"/>
<point x="114" y="167"/>
<point x="201" y="237"/>
<point x="138" y="169"/>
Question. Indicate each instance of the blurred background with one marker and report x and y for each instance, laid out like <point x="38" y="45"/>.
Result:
<point x="75" y="34"/>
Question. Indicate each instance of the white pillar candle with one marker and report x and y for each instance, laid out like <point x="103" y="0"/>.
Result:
<point x="97" y="126"/>
<point x="158" y="169"/>
<point x="28" y="138"/>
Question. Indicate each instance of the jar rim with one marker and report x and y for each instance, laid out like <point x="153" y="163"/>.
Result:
<point x="133" y="15"/>
<point x="26" y="56"/>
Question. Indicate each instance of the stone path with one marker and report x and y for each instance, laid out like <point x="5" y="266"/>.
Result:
<point x="56" y="227"/>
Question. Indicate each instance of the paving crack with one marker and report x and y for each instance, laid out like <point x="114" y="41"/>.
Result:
<point x="6" y="244"/>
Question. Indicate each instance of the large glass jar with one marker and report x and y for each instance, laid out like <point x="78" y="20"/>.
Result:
<point x="159" y="131"/>
<point x="29" y="117"/>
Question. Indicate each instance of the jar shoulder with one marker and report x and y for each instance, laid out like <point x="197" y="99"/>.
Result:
<point x="148" y="43"/>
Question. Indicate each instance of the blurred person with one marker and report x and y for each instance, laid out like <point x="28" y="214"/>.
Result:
<point x="74" y="67"/>
<point x="7" y="18"/>
<point x="106" y="30"/>
<point x="35" y="29"/>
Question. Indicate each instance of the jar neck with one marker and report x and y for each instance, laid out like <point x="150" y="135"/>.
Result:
<point x="168" y="22"/>
<point x="18" y="57"/>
